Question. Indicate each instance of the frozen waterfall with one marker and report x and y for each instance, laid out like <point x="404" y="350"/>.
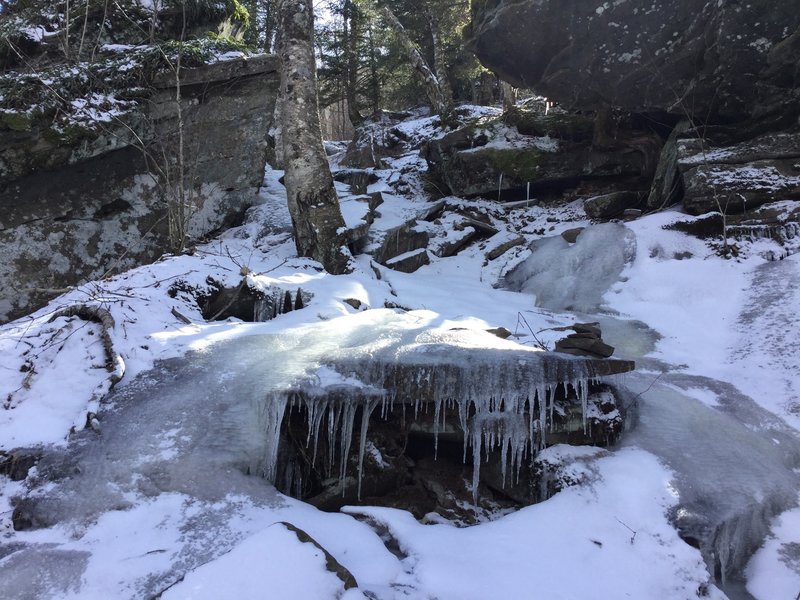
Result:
<point x="503" y="395"/>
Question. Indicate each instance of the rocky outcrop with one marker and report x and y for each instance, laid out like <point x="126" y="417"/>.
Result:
<point x="724" y="61"/>
<point x="76" y="208"/>
<point x="739" y="177"/>
<point x="535" y="154"/>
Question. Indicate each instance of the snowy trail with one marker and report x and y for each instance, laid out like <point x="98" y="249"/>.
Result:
<point x="766" y="357"/>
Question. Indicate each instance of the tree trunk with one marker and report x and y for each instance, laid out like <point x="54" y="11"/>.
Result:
<point x="509" y="96"/>
<point x="439" y="64"/>
<point x="433" y="89"/>
<point x="352" y="32"/>
<point x="374" y="83"/>
<point x="313" y="204"/>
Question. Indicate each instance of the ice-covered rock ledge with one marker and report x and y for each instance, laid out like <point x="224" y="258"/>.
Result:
<point x="496" y="395"/>
<point x="236" y="405"/>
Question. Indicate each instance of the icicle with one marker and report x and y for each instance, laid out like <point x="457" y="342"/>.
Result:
<point x="499" y="186"/>
<point x="316" y="424"/>
<point x="436" y="412"/>
<point x="541" y="394"/>
<point x="581" y="387"/>
<point x="476" y="458"/>
<point x="348" y="413"/>
<point x="274" y="409"/>
<point x="504" y="457"/>
<point x="366" y="412"/>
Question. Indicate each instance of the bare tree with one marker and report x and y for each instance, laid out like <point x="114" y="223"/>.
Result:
<point x="313" y="204"/>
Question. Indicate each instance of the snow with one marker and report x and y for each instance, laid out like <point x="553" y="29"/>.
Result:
<point x="161" y="500"/>
<point x="774" y="571"/>
<point x="578" y="542"/>
<point x="270" y="559"/>
<point x="504" y="137"/>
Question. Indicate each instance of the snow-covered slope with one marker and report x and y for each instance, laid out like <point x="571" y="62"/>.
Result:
<point x="155" y="508"/>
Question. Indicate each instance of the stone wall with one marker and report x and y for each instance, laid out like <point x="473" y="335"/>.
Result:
<point x="74" y="211"/>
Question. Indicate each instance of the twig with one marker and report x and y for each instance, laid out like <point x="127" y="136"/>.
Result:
<point x="643" y="392"/>
<point x="633" y="537"/>
<point x="539" y="343"/>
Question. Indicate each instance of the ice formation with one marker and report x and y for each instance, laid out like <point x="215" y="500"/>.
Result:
<point x="503" y="396"/>
<point x="566" y="276"/>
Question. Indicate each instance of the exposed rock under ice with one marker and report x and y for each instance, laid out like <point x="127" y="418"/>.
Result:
<point x="503" y="394"/>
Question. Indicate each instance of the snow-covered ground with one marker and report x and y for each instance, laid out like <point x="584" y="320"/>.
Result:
<point x="718" y="380"/>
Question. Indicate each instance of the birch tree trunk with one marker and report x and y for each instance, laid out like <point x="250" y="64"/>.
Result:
<point x="352" y="33"/>
<point x="439" y="63"/>
<point x="313" y="204"/>
<point x="437" y="94"/>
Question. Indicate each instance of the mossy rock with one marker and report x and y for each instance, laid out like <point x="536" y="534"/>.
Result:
<point x="520" y="164"/>
<point x="16" y="121"/>
<point x="563" y="126"/>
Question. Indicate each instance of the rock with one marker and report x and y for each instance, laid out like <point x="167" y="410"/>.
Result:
<point x="629" y="214"/>
<point x="333" y="565"/>
<point x="410" y="261"/>
<point x="480" y="160"/>
<point x="584" y="346"/>
<point x="559" y="467"/>
<point x="73" y="210"/>
<point x="355" y="303"/>
<point x="500" y="332"/>
<point x="401" y="240"/>
<point x="708" y="60"/>
<point x="504" y="247"/>
<point x="667" y="187"/>
<point x="333" y="147"/>
<point x="571" y="235"/>
<point x="245" y="303"/>
<point x="739" y="177"/>
<point x="586" y="341"/>
<point x="372" y="142"/>
<point x="779" y="222"/>
<point x="16" y="464"/>
<point x="591" y="328"/>
<point x="357" y="179"/>
<point x="611" y="205"/>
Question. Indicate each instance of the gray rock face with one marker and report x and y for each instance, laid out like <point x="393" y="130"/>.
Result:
<point x="73" y="211"/>
<point x="536" y="154"/>
<point x="611" y="205"/>
<point x="724" y="60"/>
<point x="740" y="177"/>
<point x="666" y="188"/>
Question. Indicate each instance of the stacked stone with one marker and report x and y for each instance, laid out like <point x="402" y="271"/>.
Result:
<point x="586" y="341"/>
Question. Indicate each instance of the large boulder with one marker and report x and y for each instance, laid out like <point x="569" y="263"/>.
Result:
<point x="527" y="153"/>
<point x="739" y="177"/>
<point x="718" y="60"/>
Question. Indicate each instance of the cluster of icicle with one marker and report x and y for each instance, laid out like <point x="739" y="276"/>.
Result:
<point x="505" y="404"/>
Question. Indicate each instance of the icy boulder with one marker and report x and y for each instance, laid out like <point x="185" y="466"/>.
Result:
<point x="564" y="276"/>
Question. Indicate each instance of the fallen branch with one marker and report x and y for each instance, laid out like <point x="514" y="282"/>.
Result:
<point x="96" y="314"/>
